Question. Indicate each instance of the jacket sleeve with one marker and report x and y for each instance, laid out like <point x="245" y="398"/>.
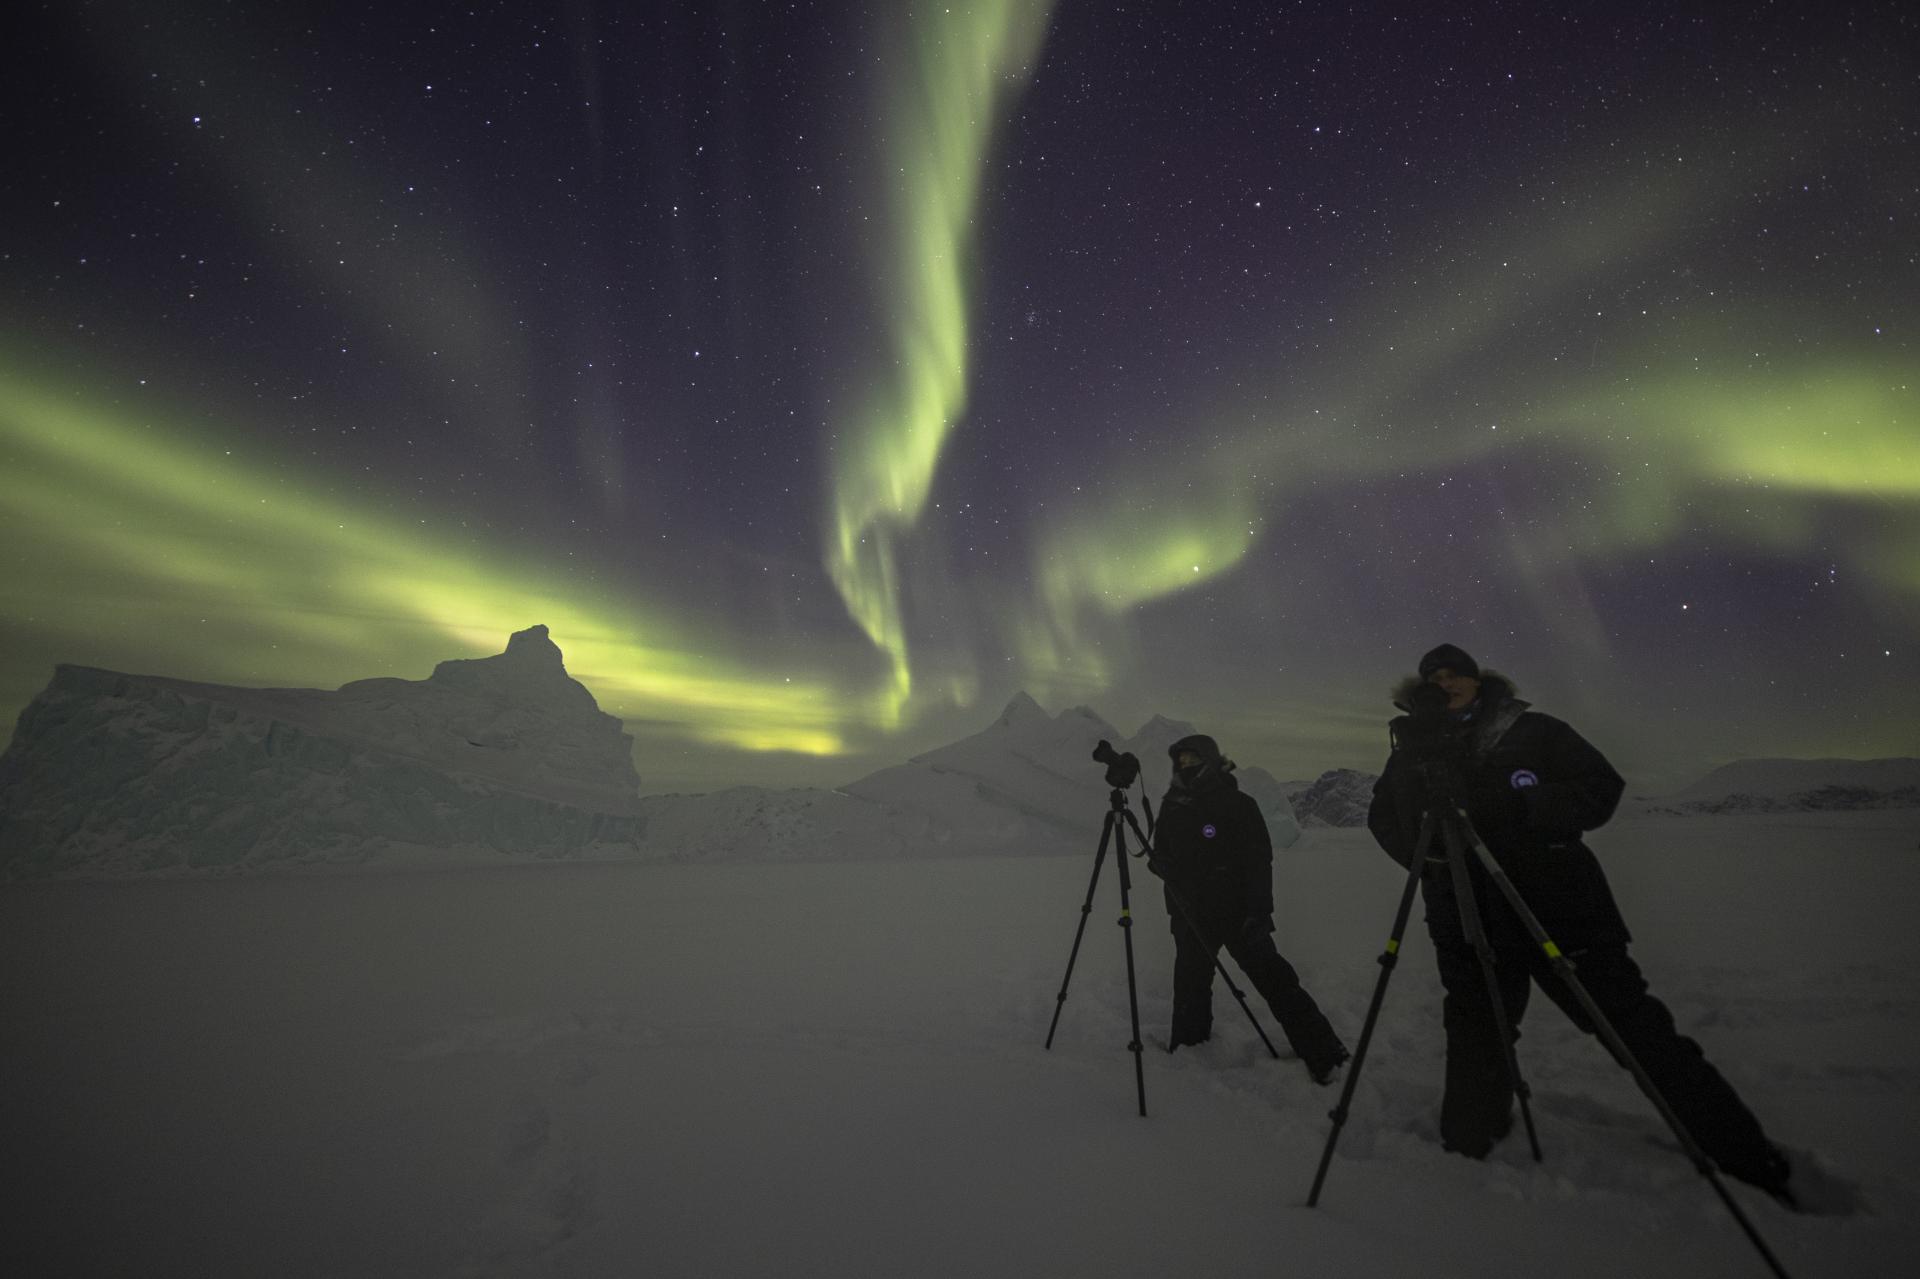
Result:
<point x="1578" y="789"/>
<point x="1257" y="852"/>
<point x="1384" y="816"/>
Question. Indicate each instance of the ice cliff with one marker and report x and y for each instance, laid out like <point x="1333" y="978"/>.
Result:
<point x="503" y="756"/>
<point x="1338" y="797"/>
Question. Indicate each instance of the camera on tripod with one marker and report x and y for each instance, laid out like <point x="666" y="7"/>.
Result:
<point x="1432" y="741"/>
<point x="1121" y="769"/>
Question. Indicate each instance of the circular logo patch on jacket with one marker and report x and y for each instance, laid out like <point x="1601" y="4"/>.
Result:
<point x="1523" y="778"/>
<point x="1209" y="830"/>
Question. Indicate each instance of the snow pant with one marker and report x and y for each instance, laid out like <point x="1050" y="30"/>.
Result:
<point x="1301" y="1020"/>
<point x="1477" y="1109"/>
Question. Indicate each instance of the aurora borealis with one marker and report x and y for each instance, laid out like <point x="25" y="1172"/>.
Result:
<point x="822" y="374"/>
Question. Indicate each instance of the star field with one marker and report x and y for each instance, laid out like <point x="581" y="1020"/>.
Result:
<point x="822" y="374"/>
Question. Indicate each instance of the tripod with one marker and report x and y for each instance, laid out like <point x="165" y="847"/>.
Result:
<point x="1445" y="817"/>
<point x="1119" y="820"/>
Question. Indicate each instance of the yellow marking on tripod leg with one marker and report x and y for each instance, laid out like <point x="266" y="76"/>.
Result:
<point x="1553" y="951"/>
<point x="1393" y="945"/>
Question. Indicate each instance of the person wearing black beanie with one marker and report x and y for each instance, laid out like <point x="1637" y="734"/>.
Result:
<point x="1531" y="787"/>
<point x="1214" y="853"/>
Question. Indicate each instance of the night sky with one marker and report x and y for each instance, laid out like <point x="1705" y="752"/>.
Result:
<point x="822" y="374"/>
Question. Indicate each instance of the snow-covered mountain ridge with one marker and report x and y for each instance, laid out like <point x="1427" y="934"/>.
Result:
<point x="1338" y="797"/>
<point x="110" y="773"/>
<point x="1040" y="769"/>
<point x="1797" y="785"/>
<point x="507" y="758"/>
<point x="504" y="758"/>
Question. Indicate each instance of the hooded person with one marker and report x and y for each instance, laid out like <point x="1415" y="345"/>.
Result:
<point x="1531" y="787"/>
<point x="1214" y="853"/>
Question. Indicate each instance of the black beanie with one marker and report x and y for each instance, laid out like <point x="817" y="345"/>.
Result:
<point x="1200" y="744"/>
<point x="1454" y="658"/>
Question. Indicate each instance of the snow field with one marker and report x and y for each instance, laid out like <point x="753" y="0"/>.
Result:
<point x="837" y="1069"/>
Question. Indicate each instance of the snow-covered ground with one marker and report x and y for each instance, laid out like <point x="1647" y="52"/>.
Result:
<point x="836" y="1068"/>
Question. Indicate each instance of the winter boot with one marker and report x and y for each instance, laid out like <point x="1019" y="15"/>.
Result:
<point x="1322" y="1069"/>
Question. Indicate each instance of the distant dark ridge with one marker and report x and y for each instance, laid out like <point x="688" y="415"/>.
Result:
<point x="1338" y="797"/>
<point x="1822" y="799"/>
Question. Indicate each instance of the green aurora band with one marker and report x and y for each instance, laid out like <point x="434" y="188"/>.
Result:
<point x="1694" y="433"/>
<point x="1766" y="459"/>
<point x="124" y="524"/>
<point x="964" y="61"/>
<point x="134" y="526"/>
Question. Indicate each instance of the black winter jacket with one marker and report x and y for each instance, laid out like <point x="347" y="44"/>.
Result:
<point x="1531" y="785"/>
<point x="1213" y="847"/>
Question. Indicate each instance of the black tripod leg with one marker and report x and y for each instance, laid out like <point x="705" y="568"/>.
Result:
<point x="1126" y="932"/>
<point x="1388" y="958"/>
<point x="1086" y="907"/>
<point x="1563" y="968"/>
<point x="1186" y="914"/>
<point x="1475" y="929"/>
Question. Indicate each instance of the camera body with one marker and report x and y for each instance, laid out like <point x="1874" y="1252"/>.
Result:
<point x="1122" y="769"/>
<point x="1434" y="743"/>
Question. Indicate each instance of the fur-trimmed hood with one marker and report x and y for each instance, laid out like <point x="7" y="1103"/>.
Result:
<point x="1494" y="689"/>
<point x="1218" y="770"/>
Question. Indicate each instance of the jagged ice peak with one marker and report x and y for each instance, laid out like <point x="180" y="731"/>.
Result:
<point x="1022" y="709"/>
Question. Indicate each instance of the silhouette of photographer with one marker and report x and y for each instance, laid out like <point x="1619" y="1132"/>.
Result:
<point x="1531" y="786"/>
<point x="1213" y="851"/>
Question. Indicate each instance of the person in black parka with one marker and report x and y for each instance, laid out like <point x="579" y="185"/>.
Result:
<point x="1213" y="851"/>
<point x="1531" y="785"/>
